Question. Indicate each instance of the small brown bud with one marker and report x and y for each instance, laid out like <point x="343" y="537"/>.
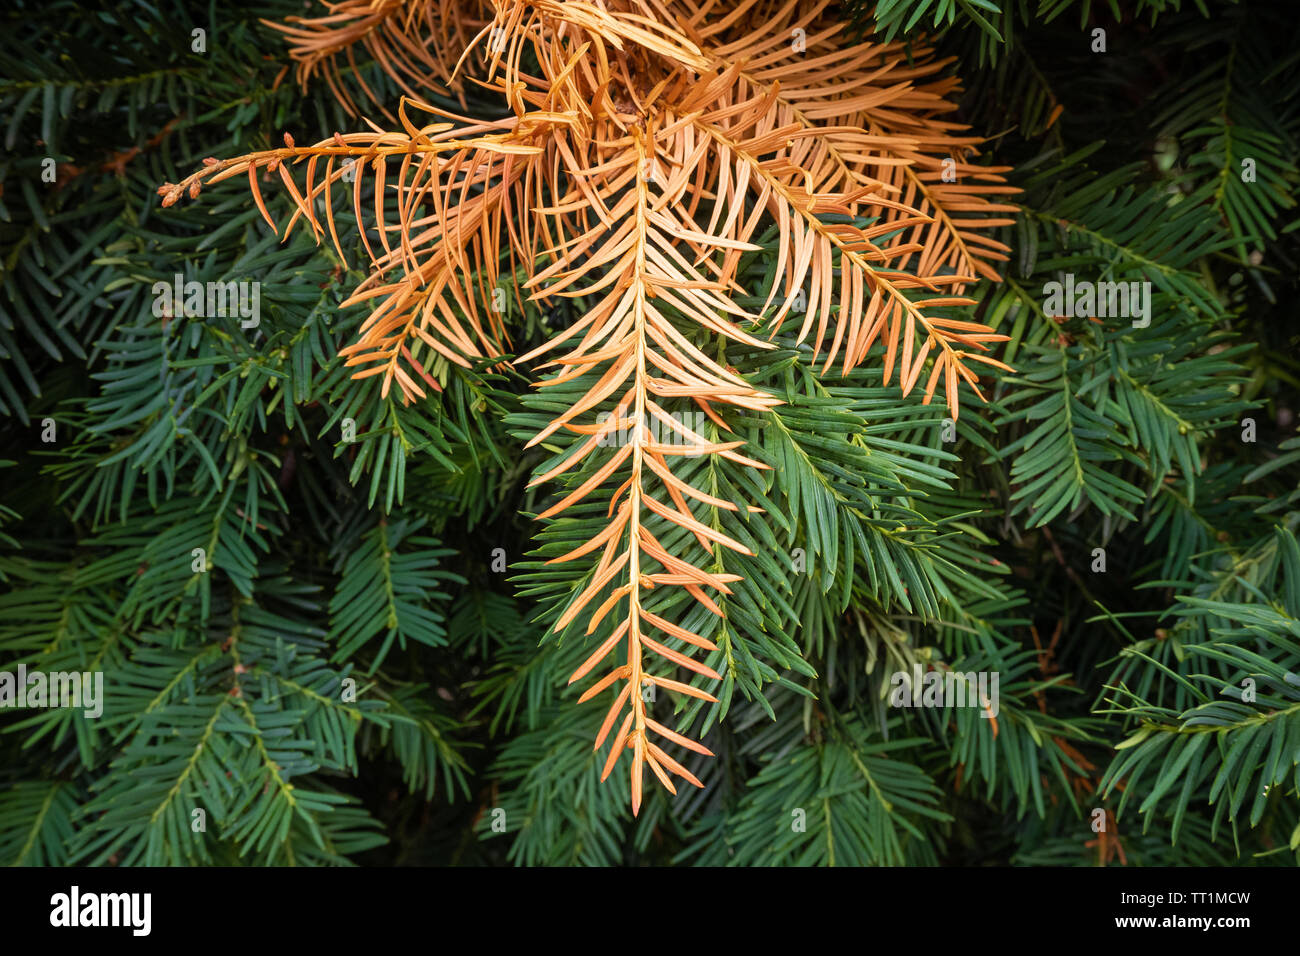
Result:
<point x="288" y="140"/>
<point x="211" y="161"/>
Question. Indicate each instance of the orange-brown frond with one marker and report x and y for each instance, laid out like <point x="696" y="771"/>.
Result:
<point x="648" y="146"/>
<point x="416" y="42"/>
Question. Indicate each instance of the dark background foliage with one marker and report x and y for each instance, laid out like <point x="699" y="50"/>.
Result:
<point x="377" y="560"/>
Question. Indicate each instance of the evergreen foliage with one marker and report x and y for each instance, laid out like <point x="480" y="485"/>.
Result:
<point x="358" y="665"/>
